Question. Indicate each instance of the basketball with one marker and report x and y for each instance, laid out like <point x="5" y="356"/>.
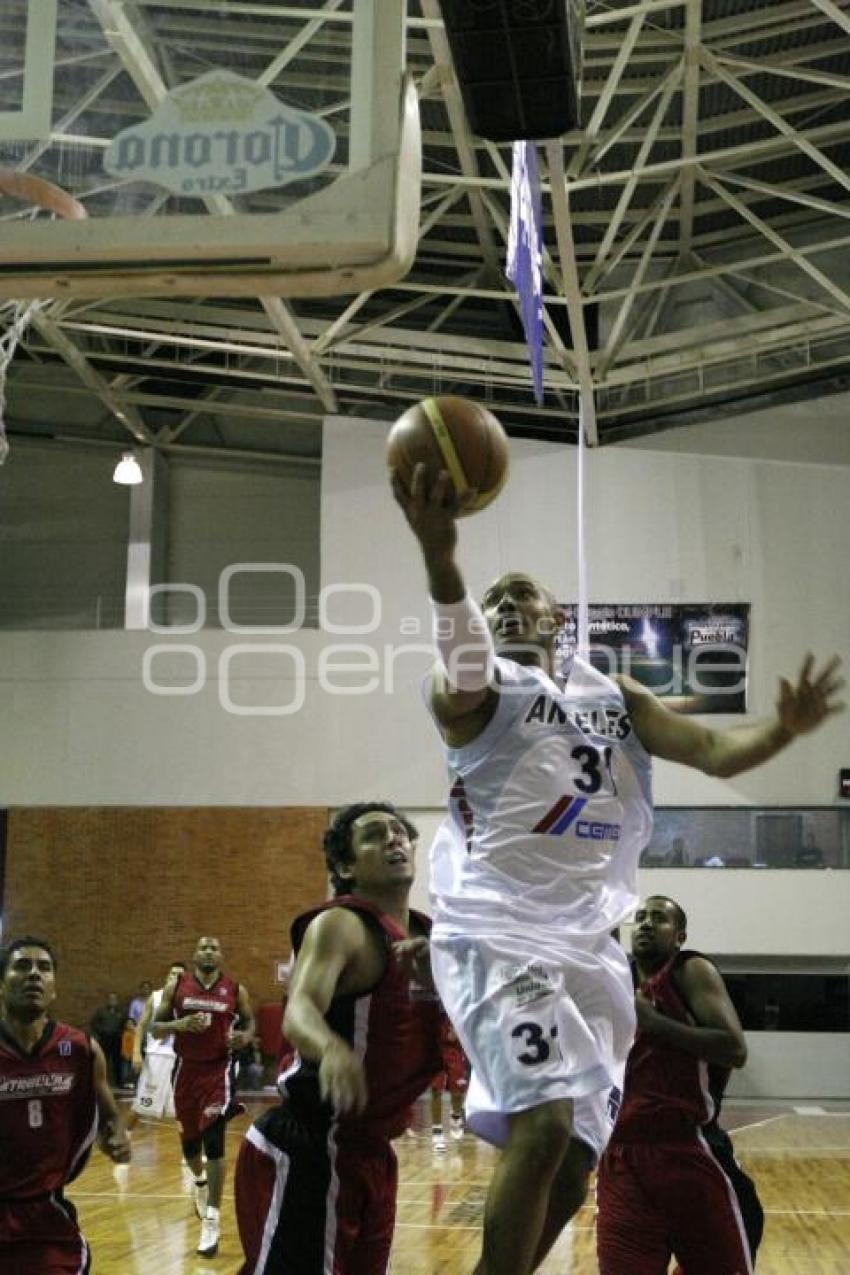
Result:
<point x="455" y="434"/>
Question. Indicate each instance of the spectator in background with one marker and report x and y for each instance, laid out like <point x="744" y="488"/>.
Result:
<point x="676" y="857"/>
<point x="107" y="1024"/>
<point x="809" y="854"/>
<point x="771" y="1014"/>
<point x="128" y="1036"/>
<point x="250" y="1061"/>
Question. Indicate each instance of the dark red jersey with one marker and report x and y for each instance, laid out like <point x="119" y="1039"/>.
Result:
<point x="219" y="1003"/>
<point x="48" y="1111"/>
<point x="394" y="1029"/>
<point x="668" y="1093"/>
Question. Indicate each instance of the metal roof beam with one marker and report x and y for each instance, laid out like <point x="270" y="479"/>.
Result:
<point x="619" y="332"/>
<point x="578" y="162"/>
<point x="786" y="293"/>
<point x="690" y="122"/>
<point x="788" y="250"/>
<point x="802" y="75"/>
<point x="129" y="417"/>
<point x="646" y="9"/>
<point x="601" y="263"/>
<point x="832" y="11"/>
<point x="788" y="193"/>
<point x="745" y="153"/>
<point x="729" y="267"/>
<point x="782" y="126"/>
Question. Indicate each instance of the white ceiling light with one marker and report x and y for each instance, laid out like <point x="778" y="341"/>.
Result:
<point x="128" y="471"/>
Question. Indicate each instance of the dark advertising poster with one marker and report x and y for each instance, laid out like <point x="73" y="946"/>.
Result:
<point x="693" y="655"/>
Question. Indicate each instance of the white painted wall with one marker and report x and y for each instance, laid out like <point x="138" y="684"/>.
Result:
<point x="78" y="726"/>
<point x="793" y="1065"/>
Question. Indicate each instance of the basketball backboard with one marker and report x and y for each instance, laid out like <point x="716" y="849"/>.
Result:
<point x="219" y="147"/>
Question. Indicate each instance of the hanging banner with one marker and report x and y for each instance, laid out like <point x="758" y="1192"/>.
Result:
<point x="525" y="254"/>
<point x="693" y="655"/>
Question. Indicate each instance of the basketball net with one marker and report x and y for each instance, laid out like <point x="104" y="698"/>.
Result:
<point x="43" y="196"/>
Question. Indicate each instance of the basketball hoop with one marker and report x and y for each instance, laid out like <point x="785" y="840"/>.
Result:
<point x="16" y="316"/>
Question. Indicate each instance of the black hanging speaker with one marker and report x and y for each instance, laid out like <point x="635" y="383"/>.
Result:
<point x="518" y="63"/>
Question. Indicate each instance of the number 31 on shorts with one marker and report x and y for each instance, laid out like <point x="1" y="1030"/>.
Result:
<point x="535" y="1043"/>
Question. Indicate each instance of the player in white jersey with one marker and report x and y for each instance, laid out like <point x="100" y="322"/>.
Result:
<point x="536" y="864"/>
<point x="153" y="1059"/>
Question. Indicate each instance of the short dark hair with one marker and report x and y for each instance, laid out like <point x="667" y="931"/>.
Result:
<point x="336" y="842"/>
<point x="681" y="915"/>
<point x="27" y="940"/>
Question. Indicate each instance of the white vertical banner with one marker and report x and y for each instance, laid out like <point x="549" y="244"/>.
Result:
<point x="582" y="630"/>
<point x="525" y="254"/>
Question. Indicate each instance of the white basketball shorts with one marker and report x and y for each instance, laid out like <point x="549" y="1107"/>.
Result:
<point x="539" y="1023"/>
<point x="154" y="1094"/>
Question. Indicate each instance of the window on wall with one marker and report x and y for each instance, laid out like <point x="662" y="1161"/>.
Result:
<point x="63" y="539"/>
<point x="791" y="1002"/>
<point x="236" y="541"/>
<point x="813" y="837"/>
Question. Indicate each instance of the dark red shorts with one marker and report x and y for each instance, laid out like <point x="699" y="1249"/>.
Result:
<point x="204" y="1092"/>
<point x="41" y="1237"/>
<point x="308" y="1205"/>
<point x="657" y="1200"/>
<point x="455" y="1073"/>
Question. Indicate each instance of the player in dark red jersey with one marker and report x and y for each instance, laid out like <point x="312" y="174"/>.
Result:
<point x="316" y="1176"/>
<point x="202" y="1008"/>
<point x="668" y="1183"/>
<point x="54" y="1101"/>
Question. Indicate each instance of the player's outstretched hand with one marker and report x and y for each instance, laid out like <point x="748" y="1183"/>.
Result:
<point x="342" y="1080"/>
<point x="114" y="1142"/>
<point x="430" y="509"/>
<point x="813" y="699"/>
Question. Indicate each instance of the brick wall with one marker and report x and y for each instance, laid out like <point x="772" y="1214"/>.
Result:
<point x="122" y="892"/>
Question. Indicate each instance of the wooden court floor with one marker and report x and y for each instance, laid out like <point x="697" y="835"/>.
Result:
<point x="799" y="1156"/>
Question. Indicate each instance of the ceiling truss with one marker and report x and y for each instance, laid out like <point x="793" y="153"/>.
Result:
<point x="695" y="236"/>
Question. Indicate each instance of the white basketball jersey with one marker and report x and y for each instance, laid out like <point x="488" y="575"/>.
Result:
<point x="549" y="810"/>
<point x="165" y="1044"/>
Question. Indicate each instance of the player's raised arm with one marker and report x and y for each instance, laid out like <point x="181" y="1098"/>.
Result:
<point x="800" y="708"/>
<point x="463" y="675"/>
